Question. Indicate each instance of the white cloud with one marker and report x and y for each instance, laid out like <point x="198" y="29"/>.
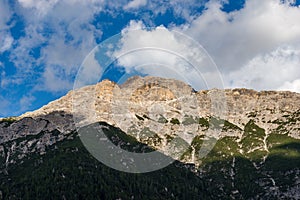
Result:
<point x="25" y="102"/>
<point x="184" y="9"/>
<point x="6" y="43"/>
<point x="248" y="45"/>
<point x="235" y="38"/>
<point x="4" y="106"/>
<point x="63" y="33"/>
<point x="274" y="70"/>
<point x="6" y="39"/>
<point x="293" y="86"/>
<point x="159" y="45"/>
<point x="5" y="14"/>
<point x="21" y="55"/>
<point x="55" y="80"/>
<point x="241" y="42"/>
<point x="256" y="47"/>
<point x="90" y="71"/>
<point x="165" y="53"/>
<point x="8" y="82"/>
<point x="134" y="4"/>
<point x="41" y="6"/>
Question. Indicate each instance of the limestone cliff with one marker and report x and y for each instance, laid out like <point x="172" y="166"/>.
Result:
<point x="170" y="116"/>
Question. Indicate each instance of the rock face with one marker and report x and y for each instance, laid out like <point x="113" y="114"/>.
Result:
<point x="20" y="138"/>
<point x="153" y="102"/>
<point x="170" y="116"/>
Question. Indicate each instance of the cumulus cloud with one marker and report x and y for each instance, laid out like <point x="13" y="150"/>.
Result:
<point x="25" y="102"/>
<point x="54" y="80"/>
<point x="61" y="33"/>
<point x="6" y="43"/>
<point x="293" y="86"/>
<point x="21" y="55"/>
<point x="248" y="41"/>
<point x="161" y="52"/>
<point x="134" y="4"/>
<point x="6" y="40"/>
<point x="41" y="6"/>
<point x="255" y="47"/>
<point x="235" y="38"/>
<point x="4" y="106"/>
<point x="185" y="9"/>
<point x="5" y="14"/>
<point x="90" y="71"/>
<point x="248" y="44"/>
<point x="274" y="70"/>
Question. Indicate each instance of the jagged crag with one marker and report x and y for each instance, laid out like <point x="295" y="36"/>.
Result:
<point x="256" y="154"/>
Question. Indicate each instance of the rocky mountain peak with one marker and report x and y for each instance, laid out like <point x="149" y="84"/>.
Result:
<point x="169" y="98"/>
<point x="255" y="128"/>
<point x="145" y="107"/>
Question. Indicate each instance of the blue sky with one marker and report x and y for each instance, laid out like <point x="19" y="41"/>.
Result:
<point x="254" y="43"/>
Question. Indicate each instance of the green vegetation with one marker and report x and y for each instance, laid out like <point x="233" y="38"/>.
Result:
<point x="196" y="144"/>
<point x="146" y="132"/>
<point x="289" y="119"/>
<point x="216" y="123"/>
<point x="139" y="117"/>
<point x="285" y="122"/>
<point x="252" y="141"/>
<point x="174" y="121"/>
<point x="283" y="145"/>
<point x="162" y="119"/>
<point x="229" y="126"/>
<point x="169" y="138"/>
<point x="116" y="135"/>
<point x="133" y="131"/>
<point x="252" y="114"/>
<point x="8" y="121"/>
<point x="146" y="117"/>
<point x="253" y="135"/>
<point x="188" y="120"/>
<point x="283" y="160"/>
<point x="68" y="171"/>
<point x="203" y="122"/>
<point x="154" y="140"/>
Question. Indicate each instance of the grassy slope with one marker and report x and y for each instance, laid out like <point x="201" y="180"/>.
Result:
<point x="70" y="172"/>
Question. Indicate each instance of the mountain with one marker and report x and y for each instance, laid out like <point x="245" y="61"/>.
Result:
<point x="229" y="144"/>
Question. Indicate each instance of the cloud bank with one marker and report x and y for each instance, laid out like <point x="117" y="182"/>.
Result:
<point x="166" y="53"/>
<point x="255" y="47"/>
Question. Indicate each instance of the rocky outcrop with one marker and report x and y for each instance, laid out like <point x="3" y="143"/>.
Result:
<point x="170" y="116"/>
<point x="157" y="110"/>
<point x="157" y="99"/>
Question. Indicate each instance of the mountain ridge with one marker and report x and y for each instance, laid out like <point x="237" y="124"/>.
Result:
<point x="256" y="143"/>
<point x="167" y="108"/>
<point x="234" y="91"/>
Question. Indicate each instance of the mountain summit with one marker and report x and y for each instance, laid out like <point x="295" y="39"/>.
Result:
<point x="250" y="143"/>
